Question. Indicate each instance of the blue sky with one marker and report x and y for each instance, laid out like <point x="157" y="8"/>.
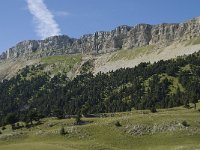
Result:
<point x="21" y="20"/>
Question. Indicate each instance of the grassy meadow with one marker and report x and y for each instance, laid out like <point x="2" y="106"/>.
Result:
<point x="168" y="129"/>
<point x="64" y="63"/>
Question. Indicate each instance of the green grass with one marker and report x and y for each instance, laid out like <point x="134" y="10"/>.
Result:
<point x="68" y="59"/>
<point x="193" y="41"/>
<point x="132" y="53"/>
<point x="102" y="134"/>
<point x="54" y="64"/>
<point x="62" y="63"/>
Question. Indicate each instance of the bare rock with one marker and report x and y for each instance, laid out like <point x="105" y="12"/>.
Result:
<point x="103" y="42"/>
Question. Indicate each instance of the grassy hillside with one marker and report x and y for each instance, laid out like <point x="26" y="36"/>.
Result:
<point x="56" y="64"/>
<point x="168" y="129"/>
<point x="52" y="65"/>
<point x="193" y="41"/>
<point x="132" y="53"/>
<point x="68" y="59"/>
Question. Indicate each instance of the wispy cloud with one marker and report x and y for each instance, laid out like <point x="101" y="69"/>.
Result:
<point x="45" y="24"/>
<point x="61" y="13"/>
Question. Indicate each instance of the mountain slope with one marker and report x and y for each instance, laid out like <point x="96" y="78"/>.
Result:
<point x="122" y="47"/>
<point x="163" y="84"/>
<point x="151" y="53"/>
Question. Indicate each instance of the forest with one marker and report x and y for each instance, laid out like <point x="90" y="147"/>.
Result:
<point x="33" y="94"/>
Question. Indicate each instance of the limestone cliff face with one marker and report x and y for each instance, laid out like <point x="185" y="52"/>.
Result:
<point x="3" y="56"/>
<point x="102" y="42"/>
<point x="56" y="45"/>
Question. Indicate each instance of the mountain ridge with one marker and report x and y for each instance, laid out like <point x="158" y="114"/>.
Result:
<point x="122" y="37"/>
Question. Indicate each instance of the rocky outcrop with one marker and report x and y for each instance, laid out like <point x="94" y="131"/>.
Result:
<point x="56" y="45"/>
<point x="3" y="56"/>
<point x="102" y="42"/>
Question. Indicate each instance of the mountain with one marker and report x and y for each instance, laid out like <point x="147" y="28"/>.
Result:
<point x="123" y="37"/>
<point x="109" y="50"/>
<point x="92" y="92"/>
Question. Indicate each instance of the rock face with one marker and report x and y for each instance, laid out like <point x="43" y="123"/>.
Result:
<point x="102" y="42"/>
<point x="3" y="56"/>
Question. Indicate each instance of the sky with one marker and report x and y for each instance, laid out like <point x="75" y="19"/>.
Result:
<point x="37" y="19"/>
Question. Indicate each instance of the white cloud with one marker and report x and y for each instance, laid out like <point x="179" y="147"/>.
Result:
<point x="46" y="25"/>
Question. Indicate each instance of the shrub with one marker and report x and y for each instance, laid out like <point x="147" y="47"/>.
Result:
<point x="78" y="119"/>
<point x="27" y="125"/>
<point x="185" y="124"/>
<point x="62" y="131"/>
<point x="187" y="106"/>
<point x="13" y="127"/>
<point x="153" y="109"/>
<point x="17" y="125"/>
<point x="117" y="124"/>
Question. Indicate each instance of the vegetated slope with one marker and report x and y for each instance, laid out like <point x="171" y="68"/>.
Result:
<point x="168" y="129"/>
<point x="73" y="64"/>
<point x="65" y="64"/>
<point x="163" y="84"/>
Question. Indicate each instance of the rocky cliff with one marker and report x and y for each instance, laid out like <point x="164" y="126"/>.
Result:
<point x="101" y="42"/>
